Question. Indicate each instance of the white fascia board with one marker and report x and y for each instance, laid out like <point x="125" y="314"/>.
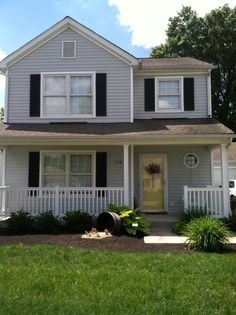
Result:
<point x="57" y="29"/>
<point x="117" y="140"/>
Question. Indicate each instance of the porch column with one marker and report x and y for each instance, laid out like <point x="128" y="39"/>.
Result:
<point x="132" y="176"/>
<point x="126" y="174"/>
<point x="225" y="179"/>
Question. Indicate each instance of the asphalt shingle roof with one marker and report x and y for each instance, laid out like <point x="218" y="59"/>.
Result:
<point x="181" y="62"/>
<point x="144" y="127"/>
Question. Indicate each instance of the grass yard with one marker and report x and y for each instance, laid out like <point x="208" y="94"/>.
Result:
<point x="57" y="280"/>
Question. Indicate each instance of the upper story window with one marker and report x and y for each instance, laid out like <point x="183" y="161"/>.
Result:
<point x="68" y="94"/>
<point x="68" y="49"/>
<point x="169" y="94"/>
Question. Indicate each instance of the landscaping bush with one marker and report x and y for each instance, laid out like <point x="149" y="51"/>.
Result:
<point x="207" y="234"/>
<point x="133" y="223"/>
<point x="192" y="214"/>
<point x="230" y="223"/>
<point x="179" y="227"/>
<point x="78" y="222"/>
<point x="20" y="222"/>
<point x="185" y="217"/>
<point x="47" y="223"/>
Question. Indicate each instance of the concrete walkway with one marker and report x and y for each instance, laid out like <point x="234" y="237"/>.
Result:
<point x="160" y="239"/>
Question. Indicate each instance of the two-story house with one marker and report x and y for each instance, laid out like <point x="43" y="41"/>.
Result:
<point x="88" y="124"/>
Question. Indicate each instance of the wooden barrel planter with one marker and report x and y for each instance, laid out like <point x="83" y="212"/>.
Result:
<point x="110" y="221"/>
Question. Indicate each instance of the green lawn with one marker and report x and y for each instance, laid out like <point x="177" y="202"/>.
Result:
<point x="55" y="280"/>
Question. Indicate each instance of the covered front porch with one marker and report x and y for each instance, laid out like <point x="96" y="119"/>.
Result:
<point x="173" y="188"/>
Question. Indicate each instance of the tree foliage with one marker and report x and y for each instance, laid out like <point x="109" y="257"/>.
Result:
<point x="211" y="39"/>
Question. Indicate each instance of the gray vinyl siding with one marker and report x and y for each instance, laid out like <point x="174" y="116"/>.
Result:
<point x="200" y="99"/>
<point x="177" y="174"/>
<point x="17" y="159"/>
<point x="90" y="57"/>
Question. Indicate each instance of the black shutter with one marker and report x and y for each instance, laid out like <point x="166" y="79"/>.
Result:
<point x="101" y="169"/>
<point x="34" y="95"/>
<point x="188" y="94"/>
<point x="33" y="179"/>
<point x="149" y="95"/>
<point x="101" y="94"/>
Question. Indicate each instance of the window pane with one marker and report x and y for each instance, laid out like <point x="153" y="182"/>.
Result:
<point x="54" y="164"/>
<point x="54" y="181"/>
<point x="55" y="85"/>
<point x="81" y="105"/>
<point x="81" y="85"/>
<point x="81" y="163"/>
<point x="80" y="180"/>
<point x="169" y="102"/>
<point x="175" y="87"/>
<point x="169" y="87"/>
<point x="55" y="105"/>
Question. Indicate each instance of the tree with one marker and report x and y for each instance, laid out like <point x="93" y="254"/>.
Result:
<point x="211" y="39"/>
<point x="1" y="114"/>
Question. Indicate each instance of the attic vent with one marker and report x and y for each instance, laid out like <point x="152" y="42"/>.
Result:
<point x="69" y="49"/>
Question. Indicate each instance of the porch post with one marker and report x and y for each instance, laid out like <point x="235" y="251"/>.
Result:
<point x="126" y="174"/>
<point x="132" y="176"/>
<point x="225" y="179"/>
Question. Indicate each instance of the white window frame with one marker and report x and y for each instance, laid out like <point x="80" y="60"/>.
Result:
<point x="68" y="114"/>
<point x="157" y="109"/>
<point x="191" y="166"/>
<point x="67" y="154"/>
<point x="62" y="49"/>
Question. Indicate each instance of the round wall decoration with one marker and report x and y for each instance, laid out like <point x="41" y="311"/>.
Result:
<point x="191" y="160"/>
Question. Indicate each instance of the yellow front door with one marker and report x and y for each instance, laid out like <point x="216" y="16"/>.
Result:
<point x="153" y="182"/>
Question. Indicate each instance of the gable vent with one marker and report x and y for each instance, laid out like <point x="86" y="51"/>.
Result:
<point x="69" y="49"/>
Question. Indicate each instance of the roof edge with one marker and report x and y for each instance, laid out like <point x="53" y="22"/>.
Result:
<point x="56" y="29"/>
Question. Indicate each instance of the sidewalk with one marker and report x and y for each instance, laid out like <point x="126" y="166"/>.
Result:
<point x="171" y="239"/>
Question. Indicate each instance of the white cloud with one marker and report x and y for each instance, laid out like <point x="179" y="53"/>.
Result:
<point x="2" y="81"/>
<point x="148" y="19"/>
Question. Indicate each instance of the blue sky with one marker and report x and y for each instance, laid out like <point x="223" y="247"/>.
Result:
<point x="134" y="25"/>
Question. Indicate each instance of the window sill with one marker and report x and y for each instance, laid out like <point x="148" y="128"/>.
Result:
<point x="67" y="116"/>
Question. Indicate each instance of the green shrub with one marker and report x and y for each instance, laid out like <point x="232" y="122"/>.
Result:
<point x="78" y="222"/>
<point x="132" y="222"/>
<point x="230" y="223"/>
<point x="186" y="217"/>
<point x="207" y="234"/>
<point x="20" y="222"/>
<point x="179" y="227"/>
<point x="117" y="209"/>
<point x="46" y="222"/>
<point x="190" y="214"/>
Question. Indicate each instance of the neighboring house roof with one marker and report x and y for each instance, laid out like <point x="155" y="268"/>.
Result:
<point x="139" y="128"/>
<point x="173" y="63"/>
<point x="231" y="153"/>
<point x="56" y="29"/>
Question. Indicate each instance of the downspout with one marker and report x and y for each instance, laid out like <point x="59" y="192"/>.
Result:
<point x="209" y="94"/>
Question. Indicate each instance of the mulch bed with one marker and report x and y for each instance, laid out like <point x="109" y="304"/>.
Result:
<point x="114" y="243"/>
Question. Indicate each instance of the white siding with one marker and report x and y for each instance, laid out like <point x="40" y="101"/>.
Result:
<point x="200" y="100"/>
<point x="89" y="57"/>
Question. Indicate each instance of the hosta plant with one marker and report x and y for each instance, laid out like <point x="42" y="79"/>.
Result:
<point x="207" y="234"/>
<point x="133" y="223"/>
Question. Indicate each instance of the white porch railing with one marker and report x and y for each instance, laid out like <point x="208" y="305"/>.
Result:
<point x="209" y="200"/>
<point x="59" y="200"/>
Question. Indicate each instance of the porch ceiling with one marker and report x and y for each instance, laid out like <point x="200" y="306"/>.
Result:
<point x="154" y="130"/>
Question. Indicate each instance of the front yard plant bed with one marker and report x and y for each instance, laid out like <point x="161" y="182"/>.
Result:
<point x="59" y="280"/>
<point x="115" y="243"/>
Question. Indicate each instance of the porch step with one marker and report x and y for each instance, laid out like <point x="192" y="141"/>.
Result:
<point x="161" y="222"/>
